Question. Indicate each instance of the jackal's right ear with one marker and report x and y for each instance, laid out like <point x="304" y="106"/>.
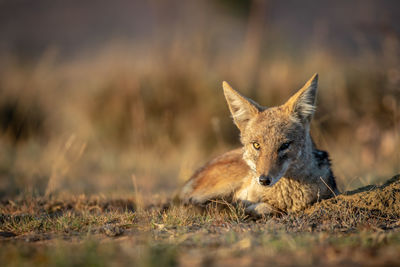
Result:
<point x="242" y="108"/>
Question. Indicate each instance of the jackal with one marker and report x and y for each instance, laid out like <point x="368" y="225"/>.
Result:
<point x="278" y="169"/>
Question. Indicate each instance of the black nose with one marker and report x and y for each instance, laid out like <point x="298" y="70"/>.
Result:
<point x="265" y="180"/>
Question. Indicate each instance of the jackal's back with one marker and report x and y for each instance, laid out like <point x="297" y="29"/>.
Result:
<point x="219" y="178"/>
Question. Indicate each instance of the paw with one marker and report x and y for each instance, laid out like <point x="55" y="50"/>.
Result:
<point x="258" y="210"/>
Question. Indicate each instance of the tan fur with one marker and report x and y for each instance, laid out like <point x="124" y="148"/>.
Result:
<point x="282" y="172"/>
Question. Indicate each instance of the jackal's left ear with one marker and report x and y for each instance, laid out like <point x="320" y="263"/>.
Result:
<point x="302" y="104"/>
<point x="242" y="108"/>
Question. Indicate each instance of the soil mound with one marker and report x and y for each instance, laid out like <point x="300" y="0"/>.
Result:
<point x="384" y="199"/>
<point x="371" y="206"/>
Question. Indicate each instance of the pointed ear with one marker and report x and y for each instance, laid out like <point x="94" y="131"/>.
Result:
<point x="302" y="104"/>
<point x="242" y="108"/>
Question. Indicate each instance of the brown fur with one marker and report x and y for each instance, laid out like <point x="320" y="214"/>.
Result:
<point x="278" y="169"/>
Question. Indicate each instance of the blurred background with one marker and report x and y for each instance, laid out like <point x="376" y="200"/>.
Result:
<point x="117" y="97"/>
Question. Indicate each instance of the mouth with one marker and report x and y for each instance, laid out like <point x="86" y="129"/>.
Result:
<point x="269" y="180"/>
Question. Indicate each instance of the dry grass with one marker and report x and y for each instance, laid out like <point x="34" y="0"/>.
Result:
<point x="87" y="125"/>
<point x="99" y="231"/>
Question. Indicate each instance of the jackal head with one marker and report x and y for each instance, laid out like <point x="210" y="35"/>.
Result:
<point x="276" y="140"/>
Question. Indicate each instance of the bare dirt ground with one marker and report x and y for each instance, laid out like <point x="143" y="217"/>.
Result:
<point x="359" y="227"/>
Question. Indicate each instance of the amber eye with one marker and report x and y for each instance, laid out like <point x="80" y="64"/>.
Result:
<point x="256" y="145"/>
<point x="284" y="146"/>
